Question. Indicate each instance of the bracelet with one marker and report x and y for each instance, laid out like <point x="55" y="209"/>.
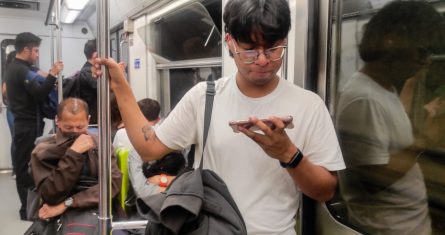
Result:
<point x="296" y="159"/>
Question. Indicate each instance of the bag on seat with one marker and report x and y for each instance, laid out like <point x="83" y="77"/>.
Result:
<point x="79" y="221"/>
<point x="33" y="203"/>
<point x="196" y="202"/>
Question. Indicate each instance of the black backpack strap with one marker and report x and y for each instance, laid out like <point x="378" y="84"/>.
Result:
<point x="210" y="95"/>
<point x="191" y="156"/>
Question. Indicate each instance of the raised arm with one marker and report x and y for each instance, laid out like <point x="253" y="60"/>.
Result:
<point x="140" y="131"/>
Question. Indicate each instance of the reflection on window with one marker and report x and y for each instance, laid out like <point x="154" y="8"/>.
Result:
<point x="7" y="46"/>
<point x="390" y="119"/>
<point x="184" y="34"/>
<point x="181" y="80"/>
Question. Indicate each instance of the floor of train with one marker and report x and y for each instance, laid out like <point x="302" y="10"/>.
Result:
<point x="10" y="222"/>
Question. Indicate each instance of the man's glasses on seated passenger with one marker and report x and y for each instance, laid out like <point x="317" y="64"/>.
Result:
<point x="250" y="56"/>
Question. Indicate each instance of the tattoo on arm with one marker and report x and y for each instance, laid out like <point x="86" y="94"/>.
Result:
<point x="148" y="132"/>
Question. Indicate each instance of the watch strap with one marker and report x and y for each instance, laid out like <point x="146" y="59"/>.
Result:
<point x="296" y="159"/>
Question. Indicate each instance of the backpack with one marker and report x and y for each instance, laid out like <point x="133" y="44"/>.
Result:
<point x="71" y="85"/>
<point x="197" y="201"/>
<point x="47" y="109"/>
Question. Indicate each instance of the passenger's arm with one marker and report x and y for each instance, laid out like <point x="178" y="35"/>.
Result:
<point x="48" y="211"/>
<point x="138" y="180"/>
<point x="140" y="131"/>
<point x="313" y="180"/>
<point x="38" y="86"/>
<point x="88" y="77"/>
<point x="365" y="134"/>
<point x="379" y="177"/>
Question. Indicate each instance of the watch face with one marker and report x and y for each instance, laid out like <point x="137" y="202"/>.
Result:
<point x="69" y="202"/>
<point x="164" y="179"/>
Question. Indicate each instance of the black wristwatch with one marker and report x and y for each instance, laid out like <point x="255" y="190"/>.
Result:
<point x="296" y="159"/>
<point x="69" y="202"/>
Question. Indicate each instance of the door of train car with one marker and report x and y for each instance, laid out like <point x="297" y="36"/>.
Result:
<point x="175" y="46"/>
<point x="385" y="90"/>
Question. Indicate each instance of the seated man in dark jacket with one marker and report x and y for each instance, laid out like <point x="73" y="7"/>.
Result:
<point x="65" y="165"/>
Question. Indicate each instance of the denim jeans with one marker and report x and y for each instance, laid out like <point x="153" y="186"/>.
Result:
<point x="10" y="118"/>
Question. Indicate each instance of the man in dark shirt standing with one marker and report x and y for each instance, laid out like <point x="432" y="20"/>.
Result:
<point x="25" y="97"/>
<point x="88" y="84"/>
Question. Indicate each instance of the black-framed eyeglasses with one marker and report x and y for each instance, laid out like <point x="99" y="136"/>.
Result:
<point x="250" y="56"/>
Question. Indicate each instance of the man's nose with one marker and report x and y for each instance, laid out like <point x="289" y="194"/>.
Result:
<point x="262" y="59"/>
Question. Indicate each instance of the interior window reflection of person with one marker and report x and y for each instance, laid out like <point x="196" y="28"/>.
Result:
<point x="383" y="186"/>
<point x="424" y="99"/>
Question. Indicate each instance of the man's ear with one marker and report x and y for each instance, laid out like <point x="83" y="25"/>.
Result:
<point x="94" y="55"/>
<point x="89" y="117"/>
<point x="227" y="39"/>
<point x="56" y="120"/>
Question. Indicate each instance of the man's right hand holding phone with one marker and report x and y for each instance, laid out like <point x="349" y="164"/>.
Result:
<point x="273" y="139"/>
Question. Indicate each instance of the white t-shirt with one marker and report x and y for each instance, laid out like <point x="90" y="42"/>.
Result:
<point x="264" y="192"/>
<point x="373" y="124"/>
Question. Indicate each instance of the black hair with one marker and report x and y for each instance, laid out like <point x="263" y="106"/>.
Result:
<point x="150" y="108"/>
<point x="89" y="48"/>
<point x="245" y="20"/>
<point x="115" y="114"/>
<point x="411" y="23"/>
<point x="26" y="39"/>
<point x="72" y="105"/>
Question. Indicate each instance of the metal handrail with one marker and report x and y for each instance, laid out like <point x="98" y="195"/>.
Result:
<point x="103" y="46"/>
<point x="139" y="224"/>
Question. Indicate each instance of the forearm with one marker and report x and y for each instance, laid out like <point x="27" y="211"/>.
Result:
<point x="138" y="128"/>
<point x="140" y="132"/>
<point x="40" y="90"/>
<point x="379" y="177"/>
<point x="314" y="181"/>
<point x="137" y="177"/>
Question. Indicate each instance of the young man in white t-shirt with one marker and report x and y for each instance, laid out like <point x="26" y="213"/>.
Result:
<point x="264" y="170"/>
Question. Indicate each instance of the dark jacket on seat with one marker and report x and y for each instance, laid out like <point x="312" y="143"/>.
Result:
<point x="197" y="202"/>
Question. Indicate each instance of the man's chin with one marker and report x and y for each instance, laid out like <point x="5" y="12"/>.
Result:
<point x="262" y="80"/>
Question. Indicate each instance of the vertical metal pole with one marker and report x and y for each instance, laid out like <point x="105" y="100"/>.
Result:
<point x="103" y="95"/>
<point x="52" y="36"/>
<point x="57" y="9"/>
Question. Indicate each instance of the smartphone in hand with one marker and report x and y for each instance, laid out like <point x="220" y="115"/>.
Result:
<point x="235" y="124"/>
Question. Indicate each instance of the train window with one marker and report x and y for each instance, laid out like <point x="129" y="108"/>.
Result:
<point x="179" y="81"/>
<point x="390" y="119"/>
<point x="114" y="47"/>
<point x="7" y="46"/>
<point x="184" y="34"/>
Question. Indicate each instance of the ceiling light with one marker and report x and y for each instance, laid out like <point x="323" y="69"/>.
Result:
<point x="68" y="16"/>
<point x="75" y="4"/>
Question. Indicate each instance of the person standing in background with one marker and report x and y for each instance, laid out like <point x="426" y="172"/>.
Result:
<point x="25" y="96"/>
<point x="9" y="116"/>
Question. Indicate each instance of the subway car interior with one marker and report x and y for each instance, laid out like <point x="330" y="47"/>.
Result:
<point x="168" y="46"/>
